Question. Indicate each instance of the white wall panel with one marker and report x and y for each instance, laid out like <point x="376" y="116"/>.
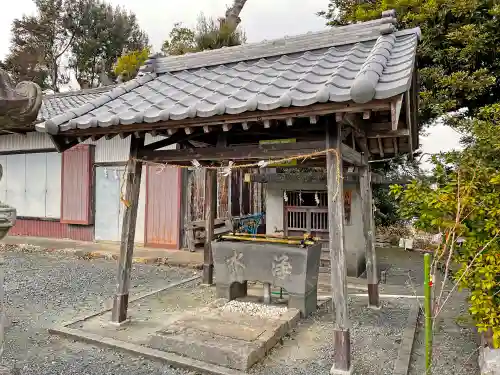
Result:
<point x="16" y="182"/>
<point x="36" y="185"/>
<point x="32" y="183"/>
<point x="3" y="181"/>
<point x="53" y="196"/>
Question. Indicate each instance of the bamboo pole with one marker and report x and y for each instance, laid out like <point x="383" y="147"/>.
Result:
<point x="428" y="313"/>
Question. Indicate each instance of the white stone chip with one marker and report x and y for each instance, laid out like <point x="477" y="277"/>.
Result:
<point x="254" y="309"/>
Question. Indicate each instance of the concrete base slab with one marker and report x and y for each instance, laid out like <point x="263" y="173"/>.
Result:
<point x="336" y="371"/>
<point x="231" y="334"/>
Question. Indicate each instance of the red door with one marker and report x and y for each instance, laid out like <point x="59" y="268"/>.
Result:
<point x="163" y="207"/>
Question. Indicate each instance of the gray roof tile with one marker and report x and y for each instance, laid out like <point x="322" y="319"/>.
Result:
<point x="352" y="63"/>
<point x="57" y="104"/>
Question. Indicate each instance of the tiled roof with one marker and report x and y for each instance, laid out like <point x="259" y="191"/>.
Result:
<point x="56" y="104"/>
<point x="359" y="63"/>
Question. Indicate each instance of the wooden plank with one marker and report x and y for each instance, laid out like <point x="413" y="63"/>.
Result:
<point x="133" y="186"/>
<point x="342" y="356"/>
<point x="210" y="211"/>
<point x="174" y="138"/>
<point x="388" y="133"/>
<point x="247" y="152"/>
<point x="396" y="111"/>
<point x="368" y="231"/>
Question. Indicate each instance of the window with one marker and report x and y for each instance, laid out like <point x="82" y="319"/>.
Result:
<point x="31" y="183"/>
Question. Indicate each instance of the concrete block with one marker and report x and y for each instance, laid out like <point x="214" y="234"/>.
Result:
<point x="293" y="268"/>
<point x="489" y="361"/>
<point x="222" y="337"/>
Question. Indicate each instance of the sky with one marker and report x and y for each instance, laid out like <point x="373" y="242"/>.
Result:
<point x="261" y="19"/>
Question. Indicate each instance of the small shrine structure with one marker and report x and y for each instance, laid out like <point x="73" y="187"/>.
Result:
<point x="345" y="95"/>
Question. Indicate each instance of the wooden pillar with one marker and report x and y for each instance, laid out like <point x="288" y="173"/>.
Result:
<point x="338" y="264"/>
<point x="210" y="211"/>
<point x="369" y="233"/>
<point x="133" y="186"/>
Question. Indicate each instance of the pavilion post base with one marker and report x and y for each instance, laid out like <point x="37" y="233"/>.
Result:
<point x="233" y="291"/>
<point x="120" y="306"/>
<point x="342" y="358"/>
<point x="208" y="274"/>
<point x="373" y="296"/>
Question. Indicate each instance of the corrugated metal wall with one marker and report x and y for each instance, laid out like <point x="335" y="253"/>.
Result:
<point x="77" y="192"/>
<point x="106" y="151"/>
<point x="30" y="141"/>
<point x="163" y="207"/>
<point x="52" y="229"/>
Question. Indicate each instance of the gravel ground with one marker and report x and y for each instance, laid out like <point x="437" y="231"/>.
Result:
<point x="375" y="340"/>
<point x="455" y="349"/>
<point x="42" y="290"/>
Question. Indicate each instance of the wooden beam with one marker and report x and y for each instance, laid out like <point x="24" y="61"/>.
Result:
<point x="320" y="109"/>
<point x="317" y="177"/>
<point x="62" y="144"/>
<point x="395" y="144"/>
<point x="175" y="138"/>
<point x="409" y="120"/>
<point x="396" y="105"/>
<point x="248" y="152"/>
<point x="369" y="234"/>
<point x="210" y="212"/>
<point x="133" y="186"/>
<point x="380" y="147"/>
<point x="336" y="245"/>
<point x="388" y="133"/>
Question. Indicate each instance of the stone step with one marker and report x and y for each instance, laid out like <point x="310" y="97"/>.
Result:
<point x="224" y="337"/>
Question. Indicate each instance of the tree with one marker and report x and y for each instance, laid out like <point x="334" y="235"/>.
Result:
<point x="209" y="34"/>
<point x="128" y="65"/>
<point x="38" y="44"/>
<point x="102" y="34"/>
<point x="83" y="36"/>
<point x="463" y="200"/>
<point x="458" y="65"/>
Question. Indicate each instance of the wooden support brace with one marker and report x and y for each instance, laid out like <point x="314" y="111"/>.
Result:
<point x="226" y="127"/>
<point x="267" y="124"/>
<point x="188" y="131"/>
<point x="131" y="202"/>
<point x="210" y="212"/>
<point x="380" y="147"/>
<point x="396" y="111"/>
<point x="338" y="263"/>
<point x="368" y="230"/>
<point x="289" y="121"/>
<point x="245" y="125"/>
<point x="171" y="131"/>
